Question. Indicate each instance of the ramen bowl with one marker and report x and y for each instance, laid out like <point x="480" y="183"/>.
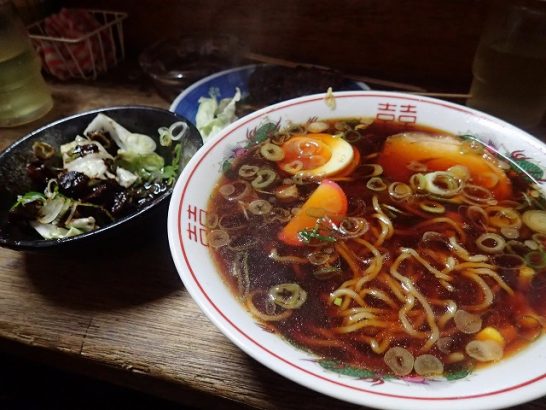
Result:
<point x="16" y="182"/>
<point x="517" y="378"/>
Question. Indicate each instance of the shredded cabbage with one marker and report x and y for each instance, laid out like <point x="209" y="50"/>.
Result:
<point x="212" y="116"/>
<point x="55" y="216"/>
<point x="127" y="141"/>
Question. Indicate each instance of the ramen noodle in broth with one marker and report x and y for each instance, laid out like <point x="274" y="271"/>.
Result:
<point x="404" y="251"/>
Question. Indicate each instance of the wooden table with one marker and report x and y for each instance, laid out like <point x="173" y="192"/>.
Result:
<point x="121" y="313"/>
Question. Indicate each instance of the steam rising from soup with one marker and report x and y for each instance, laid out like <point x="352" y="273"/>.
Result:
<point x="406" y="251"/>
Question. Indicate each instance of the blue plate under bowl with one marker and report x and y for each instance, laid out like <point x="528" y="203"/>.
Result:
<point x="224" y="83"/>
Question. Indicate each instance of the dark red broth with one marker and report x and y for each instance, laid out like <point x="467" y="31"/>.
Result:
<point x="248" y="240"/>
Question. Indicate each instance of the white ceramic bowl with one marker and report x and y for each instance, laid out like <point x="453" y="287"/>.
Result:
<point x="514" y="380"/>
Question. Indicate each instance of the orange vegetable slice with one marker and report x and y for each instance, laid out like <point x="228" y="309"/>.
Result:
<point x="327" y="200"/>
<point x="439" y="153"/>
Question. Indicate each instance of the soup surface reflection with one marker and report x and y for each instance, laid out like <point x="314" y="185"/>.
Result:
<point x="401" y="250"/>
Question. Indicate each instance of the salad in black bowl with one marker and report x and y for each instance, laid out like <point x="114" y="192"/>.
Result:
<point x="90" y="175"/>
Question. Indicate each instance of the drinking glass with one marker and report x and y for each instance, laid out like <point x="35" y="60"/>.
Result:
<point x="24" y="95"/>
<point x="509" y="69"/>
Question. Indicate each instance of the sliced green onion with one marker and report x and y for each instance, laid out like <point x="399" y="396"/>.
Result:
<point x="428" y="365"/>
<point x="272" y="152"/>
<point x="418" y="183"/>
<point x="477" y="193"/>
<point x="399" y="360"/>
<point x="352" y="136"/>
<point x="248" y="171"/>
<point x="352" y="227"/>
<point x="320" y="257"/>
<point x="374" y="170"/>
<point x="264" y="178"/>
<point x="540" y="239"/>
<point x="510" y="233"/>
<point x="477" y="215"/>
<point x="235" y="190"/>
<point x="260" y="207"/>
<point x="490" y="243"/>
<point x="432" y="206"/>
<point x="288" y="295"/>
<point x="211" y="220"/>
<point x="466" y="322"/>
<point x="42" y="150"/>
<point x="399" y="190"/>
<point x="178" y="130"/>
<point x="535" y="220"/>
<point x="501" y="217"/>
<point x="442" y="183"/>
<point x="376" y="184"/>
<point x="281" y="215"/>
<point x="536" y="259"/>
<point x="484" y="350"/>
<point x="218" y="238"/>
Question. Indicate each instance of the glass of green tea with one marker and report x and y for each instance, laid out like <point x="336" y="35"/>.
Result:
<point x="24" y="95"/>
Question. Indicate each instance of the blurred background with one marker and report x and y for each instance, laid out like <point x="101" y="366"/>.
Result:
<point x="424" y="42"/>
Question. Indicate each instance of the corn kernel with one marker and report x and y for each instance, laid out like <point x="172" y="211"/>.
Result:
<point x="526" y="272"/>
<point x="490" y="333"/>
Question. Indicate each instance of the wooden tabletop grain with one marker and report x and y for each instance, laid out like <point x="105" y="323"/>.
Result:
<point x="119" y="312"/>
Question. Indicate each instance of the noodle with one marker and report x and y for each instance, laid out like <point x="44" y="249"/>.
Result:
<point x="351" y="294"/>
<point x="375" y="267"/>
<point x="386" y="228"/>
<point x="286" y="259"/>
<point x="451" y="309"/>
<point x="439" y="220"/>
<point x="353" y="269"/>
<point x="463" y="253"/>
<point x="348" y="256"/>
<point x="486" y="290"/>
<point x="430" y="268"/>
<point x="494" y="275"/>
<point x="378" y="347"/>
<point x="394" y="287"/>
<point x="378" y="294"/>
<point x="263" y="316"/>
<point x="410" y="288"/>
<point x="359" y="325"/>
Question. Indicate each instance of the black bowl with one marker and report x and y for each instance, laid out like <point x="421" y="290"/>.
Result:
<point x="14" y="180"/>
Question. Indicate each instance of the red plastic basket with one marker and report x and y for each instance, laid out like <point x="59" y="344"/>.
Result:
<point x="79" y="43"/>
